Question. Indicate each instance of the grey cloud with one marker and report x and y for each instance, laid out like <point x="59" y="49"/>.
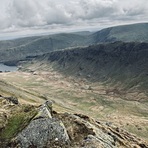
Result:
<point x="34" y="13"/>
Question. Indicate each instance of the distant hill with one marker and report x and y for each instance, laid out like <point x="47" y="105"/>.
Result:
<point x="6" y="44"/>
<point x="126" y="33"/>
<point x="18" y="49"/>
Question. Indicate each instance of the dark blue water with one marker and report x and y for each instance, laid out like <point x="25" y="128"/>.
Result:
<point x="4" y="68"/>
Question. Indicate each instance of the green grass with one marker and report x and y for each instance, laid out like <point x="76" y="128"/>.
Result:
<point x="13" y="125"/>
<point x="141" y="132"/>
<point x="16" y="123"/>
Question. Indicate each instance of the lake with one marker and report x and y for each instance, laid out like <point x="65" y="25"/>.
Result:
<point x="4" y="68"/>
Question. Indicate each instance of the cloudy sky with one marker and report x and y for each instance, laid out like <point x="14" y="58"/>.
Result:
<point x="20" y="17"/>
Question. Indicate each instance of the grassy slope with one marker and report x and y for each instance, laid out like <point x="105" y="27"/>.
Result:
<point x="13" y="118"/>
<point x="69" y="95"/>
<point x="9" y="89"/>
<point x="127" y="33"/>
<point x="36" y="46"/>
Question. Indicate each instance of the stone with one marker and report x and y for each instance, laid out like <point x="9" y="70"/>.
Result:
<point x="43" y="130"/>
<point x="12" y="99"/>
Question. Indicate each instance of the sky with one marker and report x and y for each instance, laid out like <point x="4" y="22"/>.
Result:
<point x="24" y="17"/>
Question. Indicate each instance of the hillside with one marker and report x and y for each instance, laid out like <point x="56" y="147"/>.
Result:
<point x="120" y="64"/>
<point x="60" y="130"/>
<point x="6" y="44"/>
<point x="80" y="116"/>
<point x="18" y="49"/>
<point x="126" y="33"/>
<point x="76" y="90"/>
<point x="23" y="125"/>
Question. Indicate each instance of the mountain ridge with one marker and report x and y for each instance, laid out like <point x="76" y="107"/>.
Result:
<point x="127" y="33"/>
<point x="15" y="50"/>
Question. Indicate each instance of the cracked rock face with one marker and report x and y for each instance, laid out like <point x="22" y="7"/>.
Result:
<point x="42" y="132"/>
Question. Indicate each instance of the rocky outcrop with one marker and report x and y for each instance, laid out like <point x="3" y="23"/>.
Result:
<point x="43" y="131"/>
<point x="10" y="99"/>
<point x="84" y="132"/>
<point x="50" y="129"/>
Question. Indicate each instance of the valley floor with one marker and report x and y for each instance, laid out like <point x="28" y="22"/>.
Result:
<point x="77" y="96"/>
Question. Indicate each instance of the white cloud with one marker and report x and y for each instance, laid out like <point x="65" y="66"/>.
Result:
<point x="30" y="14"/>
